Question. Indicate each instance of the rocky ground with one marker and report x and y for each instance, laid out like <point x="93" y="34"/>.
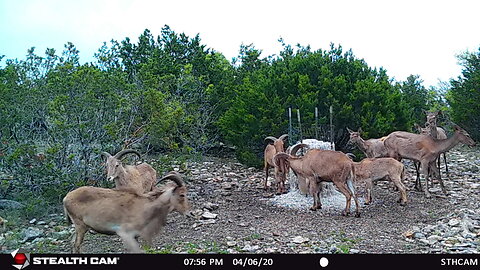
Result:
<point x="231" y="213"/>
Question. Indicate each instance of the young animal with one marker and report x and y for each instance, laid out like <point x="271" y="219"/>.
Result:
<point x="140" y="177"/>
<point x="123" y="211"/>
<point x="373" y="169"/>
<point x="270" y="151"/>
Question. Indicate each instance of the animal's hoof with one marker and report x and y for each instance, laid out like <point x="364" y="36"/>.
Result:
<point x="313" y="208"/>
<point x="357" y="215"/>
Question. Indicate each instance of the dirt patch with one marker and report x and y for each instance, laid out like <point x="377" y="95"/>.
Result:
<point x="249" y="220"/>
<point x="242" y="217"/>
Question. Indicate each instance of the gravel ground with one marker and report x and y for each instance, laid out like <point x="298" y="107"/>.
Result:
<point x="231" y="213"/>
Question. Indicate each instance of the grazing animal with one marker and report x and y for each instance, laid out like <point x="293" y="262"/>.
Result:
<point x="270" y="151"/>
<point x="324" y="166"/>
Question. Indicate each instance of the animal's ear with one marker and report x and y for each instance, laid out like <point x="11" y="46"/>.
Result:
<point x="425" y="112"/>
<point x="360" y="130"/>
<point x="439" y="112"/>
<point x="417" y="126"/>
<point x="349" y="130"/>
<point x="456" y="127"/>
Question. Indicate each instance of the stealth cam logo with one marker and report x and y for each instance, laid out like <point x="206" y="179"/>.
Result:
<point x="21" y="259"/>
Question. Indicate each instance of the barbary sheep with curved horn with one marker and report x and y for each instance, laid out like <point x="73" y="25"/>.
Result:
<point x="140" y="177"/>
<point x="270" y="151"/>
<point x="124" y="212"/>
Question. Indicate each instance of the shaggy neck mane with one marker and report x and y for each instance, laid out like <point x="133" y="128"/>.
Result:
<point x="157" y="192"/>
<point x="121" y="181"/>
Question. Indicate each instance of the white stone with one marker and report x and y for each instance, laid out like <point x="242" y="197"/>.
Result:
<point x="300" y="240"/>
<point x="208" y="215"/>
<point x="454" y="222"/>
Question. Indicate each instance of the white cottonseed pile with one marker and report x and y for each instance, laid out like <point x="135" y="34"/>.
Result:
<point x="331" y="199"/>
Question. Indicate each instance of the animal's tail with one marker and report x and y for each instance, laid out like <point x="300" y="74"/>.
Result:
<point x="350" y="180"/>
<point x="67" y="217"/>
<point x="402" y="178"/>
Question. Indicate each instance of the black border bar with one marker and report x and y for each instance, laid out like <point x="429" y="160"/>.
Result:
<point x="246" y="261"/>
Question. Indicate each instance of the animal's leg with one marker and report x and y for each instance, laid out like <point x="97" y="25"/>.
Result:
<point x="315" y="189"/>
<point x="418" y="183"/>
<point x="351" y="188"/>
<point x="401" y="187"/>
<point x="129" y="241"/>
<point x="424" y="170"/>
<point x="344" y="190"/>
<point x="437" y="171"/>
<point x="266" y="176"/>
<point x="80" y="230"/>
<point x="368" y="193"/>
<point x="148" y="239"/>
<point x="445" y="160"/>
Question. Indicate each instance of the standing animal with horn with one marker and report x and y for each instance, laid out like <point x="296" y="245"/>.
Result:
<point x="270" y="151"/>
<point x="140" y="177"/>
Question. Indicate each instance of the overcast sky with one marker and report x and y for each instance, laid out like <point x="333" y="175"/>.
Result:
<point x="404" y="37"/>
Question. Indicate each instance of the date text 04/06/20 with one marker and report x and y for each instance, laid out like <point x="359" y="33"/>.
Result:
<point x="253" y="261"/>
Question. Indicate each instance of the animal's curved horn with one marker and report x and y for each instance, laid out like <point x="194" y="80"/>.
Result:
<point x="294" y="150"/>
<point x="270" y="138"/>
<point x="174" y="176"/>
<point x="279" y="156"/>
<point x="122" y="153"/>
<point x="283" y="137"/>
<point x="105" y="154"/>
<point x="351" y="155"/>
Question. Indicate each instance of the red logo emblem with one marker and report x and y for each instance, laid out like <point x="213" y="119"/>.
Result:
<point x="21" y="259"/>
